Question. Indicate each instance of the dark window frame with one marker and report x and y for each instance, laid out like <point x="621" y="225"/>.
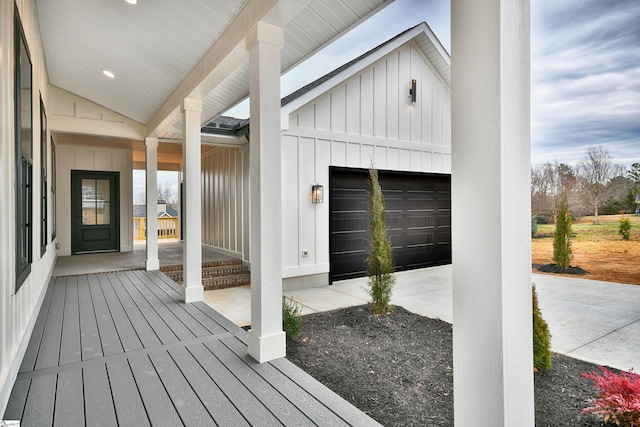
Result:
<point x="44" y="234"/>
<point x="24" y="160"/>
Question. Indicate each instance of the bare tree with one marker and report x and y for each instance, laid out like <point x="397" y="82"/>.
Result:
<point x="140" y="198"/>
<point x="595" y="172"/>
<point x="550" y="184"/>
<point x="168" y="194"/>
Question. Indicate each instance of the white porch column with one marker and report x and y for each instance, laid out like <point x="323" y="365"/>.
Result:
<point x="492" y="317"/>
<point x="266" y="339"/>
<point x="192" y="249"/>
<point x="151" y="162"/>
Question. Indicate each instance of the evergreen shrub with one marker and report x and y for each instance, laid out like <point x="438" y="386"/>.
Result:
<point x="291" y="319"/>
<point x="562" y="253"/>
<point x="541" y="337"/>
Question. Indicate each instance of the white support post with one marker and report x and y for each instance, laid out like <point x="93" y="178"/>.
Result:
<point x="192" y="217"/>
<point x="266" y="339"/>
<point x="492" y="320"/>
<point x="151" y="234"/>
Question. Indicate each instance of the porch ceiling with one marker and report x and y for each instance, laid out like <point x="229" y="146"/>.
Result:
<point x="161" y="48"/>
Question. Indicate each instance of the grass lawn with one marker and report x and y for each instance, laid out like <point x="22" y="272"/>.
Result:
<point x="598" y="249"/>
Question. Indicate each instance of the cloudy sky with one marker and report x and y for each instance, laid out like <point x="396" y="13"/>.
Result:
<point x="585" y="70"/>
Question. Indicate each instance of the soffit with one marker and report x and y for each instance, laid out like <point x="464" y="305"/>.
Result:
<point x="152" y="47"/>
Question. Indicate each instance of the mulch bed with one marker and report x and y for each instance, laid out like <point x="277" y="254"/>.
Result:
<point x="554" y="268"/>
<point x="398" y="369"/>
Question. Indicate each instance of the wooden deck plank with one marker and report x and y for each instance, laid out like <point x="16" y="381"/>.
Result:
<point x="98" y="404"/>
<point x="171" y="321"/>
<point x="126" y="331"/>
<point x="106" y="327"/>
<point x="126" y="397"/>
<point x="17" y="400"/>
<point x="144" y="331"/>
<point x="249" y="406"/>
<point x="89" y="336"/>
<point x="218" y="405"/>
<point x="287" y="413"/>
<point x="39" y="408"/>
<point x="160" y="408"/>
<point x="159" y="326"/>
<point x="345" y="410"/>
<point x="304" y="401"/>
<point x="178" y="309"/>
<point x="191" y="410"/>
<point x="69" y="397"/>
<point x="70" y="342"/>
<point x="49" y="352"/>
<point x="31" y="354"/>
<point x="215" y="324"/>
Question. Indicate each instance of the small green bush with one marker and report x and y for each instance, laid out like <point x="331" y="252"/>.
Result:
<point x="541" y="337"/>
<point x="291" y="319"/>
<point x="534" y="225"/>
<point x="624" y="229"/>
<point x="562" y="253"/>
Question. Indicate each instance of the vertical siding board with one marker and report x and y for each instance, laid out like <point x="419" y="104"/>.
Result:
<point x="380" y="157"/>
<point x="380" y="99"/>
<point x="323" y="113"/>
<point x="366" y="155"/>
<point x="393" y="97"/>
<point x="404" y="103"/>
<point x="393" y="158"/>
<point x="366" y="104"/>
<point x="290" y="202"/>
<point x="339" y="153"/>
<point x="323" y="160"/>
<point x="426" y="162"/>
<point x="438" y="93"/>
<point x="405" y="160"/>
<point x="353" y="106"/>
<point x="417" y="64"/>
<point x="338" y="109"/>
<point x="416" y="160"/>
<point x="446" y="119"/>
<point x="306" y="117"/>
<point x="306" y="218"/>
<point x="353" y="155"/>
<point x="426" y="92"/>
<point x="232" y="197"/>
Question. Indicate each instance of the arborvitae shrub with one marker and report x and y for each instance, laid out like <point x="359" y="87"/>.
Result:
<point x="534" y="225"/>
<point x="562" y="237"/>
<point x="380" y="262"/>
<point x="624" y="229"/>
<point x="541" y="337"/>
<point x="291" y="319"/>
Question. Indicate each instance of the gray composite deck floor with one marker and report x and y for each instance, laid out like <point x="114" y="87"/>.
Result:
<point x="121" y="349"/>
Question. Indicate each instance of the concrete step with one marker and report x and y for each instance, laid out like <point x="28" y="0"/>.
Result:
<point x="215" y="274"/>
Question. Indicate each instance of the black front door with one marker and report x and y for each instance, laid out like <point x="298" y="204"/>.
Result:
<point x="95" y="225"/>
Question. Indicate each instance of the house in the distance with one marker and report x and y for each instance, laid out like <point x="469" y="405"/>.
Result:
<point x="168" y="221"/>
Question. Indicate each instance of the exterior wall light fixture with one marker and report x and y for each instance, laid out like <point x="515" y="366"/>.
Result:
<point x="412" y="91"/>
<point x="316" y="193"/>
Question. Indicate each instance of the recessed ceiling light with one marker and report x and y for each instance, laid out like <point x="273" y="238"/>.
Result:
<point x="108" y="74"/>
<point x="131" y="1"/>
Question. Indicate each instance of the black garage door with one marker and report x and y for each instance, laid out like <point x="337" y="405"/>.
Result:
<point x="418" y="219"/>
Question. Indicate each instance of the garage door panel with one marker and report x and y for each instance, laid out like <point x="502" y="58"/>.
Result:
<point x="418" y="220"/>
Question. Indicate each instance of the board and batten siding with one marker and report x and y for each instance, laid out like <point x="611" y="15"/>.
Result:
<point x="225" y="201"/>
<point x="73" y="157"/>
<point x="18" y="310"/>
<point x="367" y="118"/>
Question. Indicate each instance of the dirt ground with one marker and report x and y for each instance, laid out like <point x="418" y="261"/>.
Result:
<point x="601" y="253"/>
<point x="398" y="369"/>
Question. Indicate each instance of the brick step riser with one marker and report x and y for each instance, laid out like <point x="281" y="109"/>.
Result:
<point x="225" y="282"/>
<point x="231" y="262"/>
<point x="211" y="272"/>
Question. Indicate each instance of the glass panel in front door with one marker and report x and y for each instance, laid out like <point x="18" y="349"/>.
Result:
<point x="96" y="203"/>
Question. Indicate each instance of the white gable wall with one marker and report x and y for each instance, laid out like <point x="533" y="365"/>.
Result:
<point x="368" y="118"/>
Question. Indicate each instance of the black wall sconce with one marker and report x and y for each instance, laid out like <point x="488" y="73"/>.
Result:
<point x="412" y="91"/>
<point x="316" y="193"/>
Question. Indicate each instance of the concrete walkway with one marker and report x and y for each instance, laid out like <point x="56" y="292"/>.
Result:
<point x="594" y="321"/>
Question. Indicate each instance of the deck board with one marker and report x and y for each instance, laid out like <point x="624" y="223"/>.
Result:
<point x="132" y="354"/>
<point x="107" y="329"/>
<point x="98" y="404"/>
<point x="70" y="351"/>
<point x="89" y="336"/>
<point x="49" y="351"/>
<point x="126" y="398"/>
<point x="69" y="393"/>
